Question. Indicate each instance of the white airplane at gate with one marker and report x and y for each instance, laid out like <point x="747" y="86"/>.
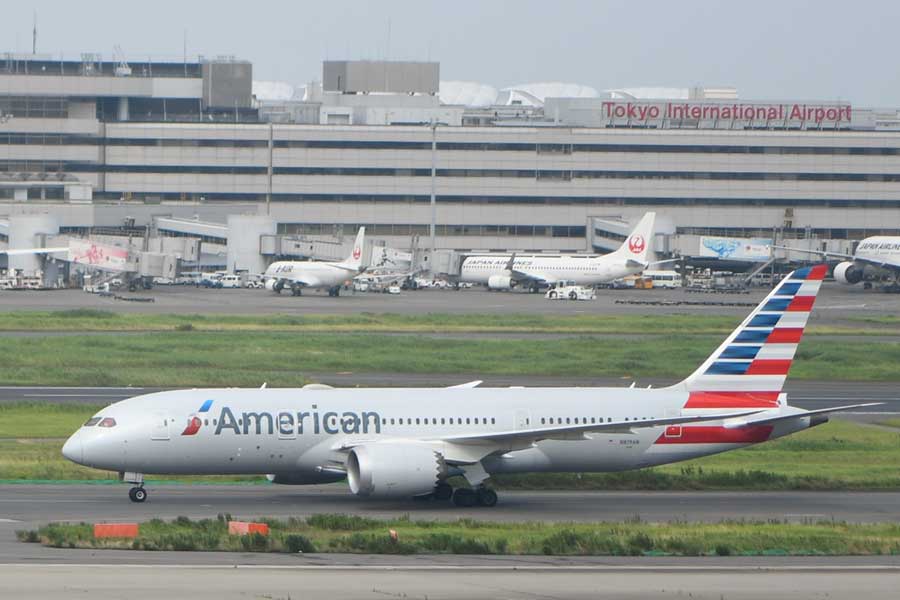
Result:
<point x="296" y="275"/>
<point x="407" y="442"/>
<point x="503" y="272"/>
<point x="877" y="259"/>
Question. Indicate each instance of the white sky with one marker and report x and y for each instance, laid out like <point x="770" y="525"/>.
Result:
<point x="811" y="49"/>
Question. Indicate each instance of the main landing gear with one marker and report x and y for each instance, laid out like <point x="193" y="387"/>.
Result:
<point x="335" y="291"/>
<point x="465" y="497"/>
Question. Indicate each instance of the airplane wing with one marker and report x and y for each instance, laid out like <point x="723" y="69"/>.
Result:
<point x="520" y="275"/>
<point x="877" y="263"/>
<point x="762" y="419"/>
<point x="578" y="432"/>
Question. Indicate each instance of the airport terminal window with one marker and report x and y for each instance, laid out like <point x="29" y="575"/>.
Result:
<point x="91" y="422"/>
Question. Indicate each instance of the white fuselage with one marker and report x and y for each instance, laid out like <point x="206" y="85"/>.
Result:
<point x="587" y="270"/>
<point x="880" y="249"/>
<point x="302" y="432"/>
<point x="310" y="274"/>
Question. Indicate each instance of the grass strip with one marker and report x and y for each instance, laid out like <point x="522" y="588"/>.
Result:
<point x="86" y="319"/>
<point x="353" y="534"/>
<point x="247" y="359"/>
<point x="840" y="455"/>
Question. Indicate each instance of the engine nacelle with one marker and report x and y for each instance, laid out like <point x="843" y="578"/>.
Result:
<point x="394" y="470"/>
<point x="500" y="282"/>
<point x="848" y="273"/>
<point x="274" y="285"/>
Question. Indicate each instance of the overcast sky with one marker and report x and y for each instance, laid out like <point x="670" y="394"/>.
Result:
<point x="811" y="49"/>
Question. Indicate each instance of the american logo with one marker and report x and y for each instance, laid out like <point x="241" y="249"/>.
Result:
<point x="194" y="422"/>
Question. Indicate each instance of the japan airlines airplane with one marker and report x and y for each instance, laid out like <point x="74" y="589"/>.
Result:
<point x="877" y="258"/>
<point x="299" y="275"/>
<point x="407" y="442"/>
<point x="507" y="272"/>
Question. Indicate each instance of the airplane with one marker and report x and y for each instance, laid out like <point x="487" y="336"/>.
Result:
<point x="877" y="259"/>
<point x="299" y="275"/>
<point x="506" y="272"/>
<point x="405" y="442"/>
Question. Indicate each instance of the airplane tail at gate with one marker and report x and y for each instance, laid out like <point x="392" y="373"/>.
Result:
<point x="748" y="370"/>
<point x="638" y="245"/>
<point x="355" y="259"/>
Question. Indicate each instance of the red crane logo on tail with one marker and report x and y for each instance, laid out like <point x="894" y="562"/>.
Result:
<point x="636" y="244"/>
<point x="357" y="252"/>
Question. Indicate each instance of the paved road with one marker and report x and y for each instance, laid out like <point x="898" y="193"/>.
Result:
<point x="502" y="582"/>
<point x="834" y="304"/>
<point x="30" y="570"/>
<point x="41" y="503"/>
<point x="805" y="394"/>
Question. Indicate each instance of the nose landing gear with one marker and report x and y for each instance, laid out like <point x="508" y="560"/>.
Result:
<point x="137" y="494"/>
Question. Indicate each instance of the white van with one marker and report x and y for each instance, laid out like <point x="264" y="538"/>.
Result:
<point x="663" y="279"/>
<point x="231" y="281"/>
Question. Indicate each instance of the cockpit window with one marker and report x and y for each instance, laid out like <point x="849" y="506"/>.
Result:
<point x="107" y="422"/>
<point x="91" y="422"/>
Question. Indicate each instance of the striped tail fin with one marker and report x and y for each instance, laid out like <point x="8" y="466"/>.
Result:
<point x="748" y="370"/>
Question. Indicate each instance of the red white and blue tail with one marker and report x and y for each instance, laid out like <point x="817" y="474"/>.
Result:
<point x="748" y="370"/>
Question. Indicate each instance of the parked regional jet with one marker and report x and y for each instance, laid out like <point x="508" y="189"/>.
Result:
<point x="407" y="442"/>
<point x="877" y="258"/>
<point x="299" y="275"/>
<point x="506" y="272"/>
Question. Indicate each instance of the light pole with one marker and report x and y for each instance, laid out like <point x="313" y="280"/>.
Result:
<point x="434" y="126"/>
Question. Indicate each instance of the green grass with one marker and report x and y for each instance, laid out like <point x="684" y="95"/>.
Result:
<point x="340" y="533"/>
<point x="660" y="323"/>
<point x="188" y="359"/>
<point x="43" y="419"/>
<point x="838" y="455"/>
<point x="890" y="423"/>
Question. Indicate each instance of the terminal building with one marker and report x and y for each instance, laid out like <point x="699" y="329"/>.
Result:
<point x="185" y="150"/>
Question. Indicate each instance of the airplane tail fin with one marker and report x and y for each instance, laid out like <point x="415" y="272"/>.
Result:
<point x="354" y="261"/>
<point x="638" y="245"/>
<point x="749" y="368"/>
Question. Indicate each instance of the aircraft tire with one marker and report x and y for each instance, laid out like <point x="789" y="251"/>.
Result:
<point x="573" y="296"/>
<point x="464" y="498"/>
<point x="486" y="497"/>
<point x="137" y="494"/>
<point x="552" y="295"/>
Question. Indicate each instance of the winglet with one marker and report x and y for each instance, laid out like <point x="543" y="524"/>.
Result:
<point x="511" y="263"/>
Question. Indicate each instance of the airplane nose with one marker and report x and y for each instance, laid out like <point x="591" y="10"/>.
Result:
<point x="73" y="449"/>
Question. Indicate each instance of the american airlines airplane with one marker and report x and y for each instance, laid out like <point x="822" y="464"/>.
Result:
<point x="299" y="275"/>
<point x="506" y="272"/>
<point x="408" y="442"/>
<point x="877" y="259"/>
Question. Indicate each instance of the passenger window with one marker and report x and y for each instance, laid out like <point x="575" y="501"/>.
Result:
<point x="392" y="420"/>
<point x="417" y="422"/>
<point x="576" y="420"/>
<point x="476" y="420"/>
<point x="568" y="420"/>
<point x="493" y="421"/>
<point x="442" y="421"/>
<point x="468" y="421"/>
<point x="91" y="422"/>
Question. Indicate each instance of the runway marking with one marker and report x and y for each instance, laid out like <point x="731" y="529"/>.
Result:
<point x="9" y="521"/>
<point x="481" y="568"/>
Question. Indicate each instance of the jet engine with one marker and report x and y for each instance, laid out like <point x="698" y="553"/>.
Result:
<point x="500" y="282"/>
<point x="394" y="470"/>
<point x="848" y="273"/>
<point x="274" y="285"/>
